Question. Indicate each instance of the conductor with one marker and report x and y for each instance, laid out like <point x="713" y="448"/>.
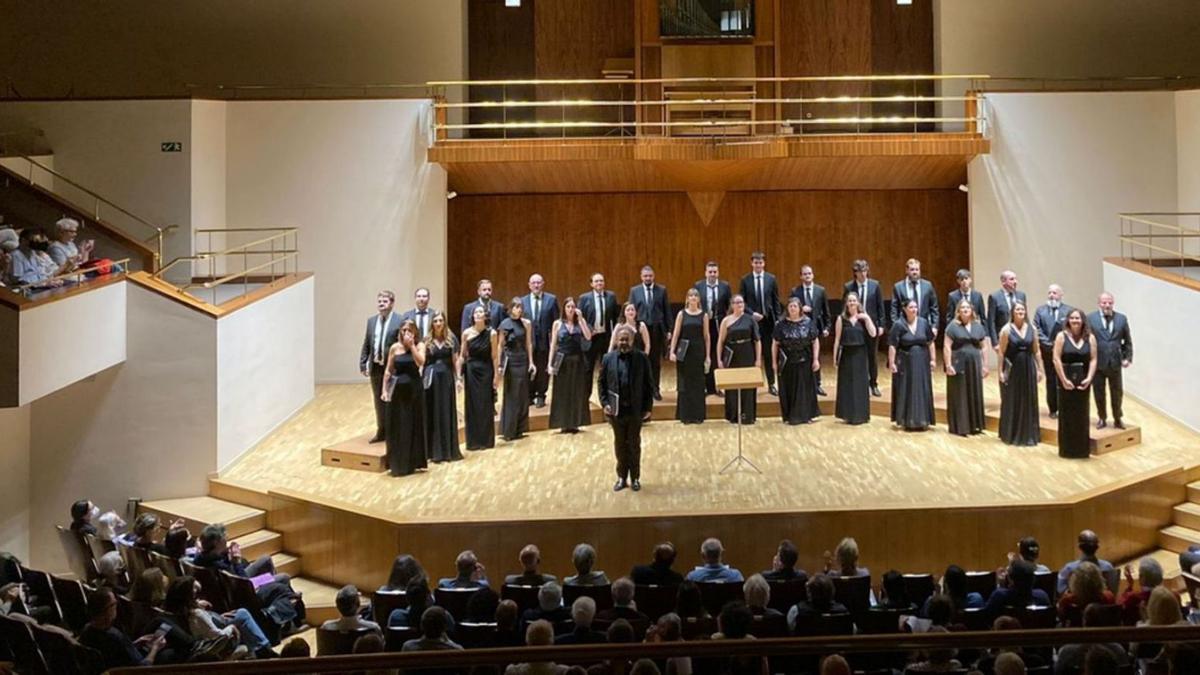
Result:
<point x="627" y="395"/>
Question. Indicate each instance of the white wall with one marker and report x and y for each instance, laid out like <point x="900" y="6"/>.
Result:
<point x="264" y="367"/>
<point x="14" y="466"/>
<point x="1163" y="374"/>
<point x="1045" y="200"/>
<point x="353" y="176"/>
<point x="65" y="341"/>
<point x="1187" y="132"/>
<point x="208" y="178"/>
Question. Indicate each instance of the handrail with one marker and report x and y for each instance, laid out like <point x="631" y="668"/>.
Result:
<point x="700" y="101"/>
<point x="277" y="256"/>
<point x="702" y="80"/>
<point x="1158" y="255"/>
<point x="707" y="123"/>
<point x="75" y="275"/>
<point x="243" y="273"/>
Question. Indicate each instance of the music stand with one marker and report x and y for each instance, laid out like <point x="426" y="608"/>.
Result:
<point x="739" y="379"/>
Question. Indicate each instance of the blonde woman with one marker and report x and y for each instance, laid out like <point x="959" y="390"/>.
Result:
<point x="853" y="350"/>
<point x="965" y="343"/>
<point x="1020" y="373"/>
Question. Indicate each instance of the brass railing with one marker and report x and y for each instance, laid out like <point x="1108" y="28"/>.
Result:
<point x="280" y="249"/>
<point x="66" y="278"/>
<point x="1152" y="239"/>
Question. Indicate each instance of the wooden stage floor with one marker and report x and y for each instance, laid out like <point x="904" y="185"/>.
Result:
<point x="823" y="466"/>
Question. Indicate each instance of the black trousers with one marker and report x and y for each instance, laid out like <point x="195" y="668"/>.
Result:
<point x="873" y="359"/>
<point x="765" y="329"/>
<point x="595" y="352"/>
<point x="541" y="379"/>
<point x="1051" y="379"/>
<point x="1113" y="378"/>
<point x="658" y="338"/>
<point x="376" y="372"/>
<point x="627" y="444"/>
<point x="710" y="378"/>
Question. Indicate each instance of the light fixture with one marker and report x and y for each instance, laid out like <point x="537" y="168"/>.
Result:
<point x="512" y="3"/>
<point x="962" y="187"/>
<point x="451" y="195"/>
<point x="903" y="2"/>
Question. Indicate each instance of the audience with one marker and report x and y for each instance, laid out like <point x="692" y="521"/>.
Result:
<point x="1162" y="609"/>
<point x="835" y="664"/>
<point x="935" y="660"/>
<point x="645" y="667"/>
<point x="954" y="586"/>
<point x="418" y="598"/>
<point x="63" y="250"/>
<point x="1029" y="550"/>
<point x="846" y="555"/>
<point x="987" y="663"/>
<point x="620" y="632"/>
<point x="820" y="600"/>
<point x="150" y="587"/>
<point x="237" y="626"/>
<point x="144" y="529"/>
<point x="530" y="558"/>
<point x="713" y="568"/>
<point x="215" y="552"/>
<point x="508" y="625"/>
<point x="894" y="595"/>
<point x="28" y="264"/>
<point x="1089" y="544"/>
<point x="757" y="592"/>
<point x="783" y="567"/>
<point x="584" y="559"/>
<point x="1019" y="591"/>
<point x="583" y="612"/>
<point x="1009" y="663"/>
<point x="82" y="513"/>
<point x="1086" y="587"/>
<point x="734" y="623"/>
<point x="623" y="605"/>
<point x="405" y="569"/>
<point x="549" y="608"/>
<point x="296" y="648"/>
<point x="470" y="573"/>
<point x="1100" y="661"/>
<point x="658" y="572"/>
<point x="481" y="607"/>
<point x="1072" y="656"/>
<point x="111" y="570"/>
<point x="1150" y="576"/>
<point x="539" y="634"/>
<point x="689" y="604"/>
<point x="348" y="605"/>
<point x="669" y="628"/>
<point x="116" y="649"/>
<point x="433" y="633"/>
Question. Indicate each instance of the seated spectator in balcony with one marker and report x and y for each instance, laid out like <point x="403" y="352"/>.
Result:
<point x="405" y="569"/>
<point x="539" y="634"/>
<point x="820" y="600"/>
<point x="623" y="604"/>
<point x="1086" y="587"/>
<point x="583" y="612"/>
<point x="584" y="558"/>
<point x="846" y="557"/>
<point x="29" y="265"/>
<point x="481" y="608"/>
<point x="508" y="625"/>
<point x="215" y="552"/>
<point x="434" y="625"/>
<point x="783" y="567"/>
<point x="689" y="604"/>
<point x="370" y="643"/>
<point x="470" y="573"/>
<point x="12" y="595"/>
<point x="894" y="595"/>
<point x="658" y="572"/>
<point x="714" y="569"/>
<point x="348" y="606"/>
<point x="1018" y="590"/>
<point x="669" y="628"/>
<point x="111" y="570"/>
<point x="758" y="595"/>
<point x="183" y="603"/>
<point x="63" y="250"/>
<point x="1028" y="549"/>
<point x="954" y="586"/>
<point x="530" y="559"/>
<point x="82" y="513"/>
<point x="935" y="660"/>
<point x="1072" y="656"/>
<point x="549" y="607"/>
<point x="419" y="600"/>
<point x="1089" y="545"/>
<point x="1150" y="577"/>
<point x="1162" y="609"/>
<point x="116" y="649"/>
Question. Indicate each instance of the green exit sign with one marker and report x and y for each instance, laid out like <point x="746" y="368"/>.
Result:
<point x="172" y="146"/>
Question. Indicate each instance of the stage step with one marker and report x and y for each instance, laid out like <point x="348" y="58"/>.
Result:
<point x="1193" y="492"/>
<point x="1187" y="515"/>
<point x="319" y="600"/>
<point x="259" y="543"/>
<point x="286" y="563"/>
<point x="198" y="512"/>
<point x="1178" y="538"/>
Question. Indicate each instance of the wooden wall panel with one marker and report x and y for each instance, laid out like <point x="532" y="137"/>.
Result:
<point x="572" y="38"/>
<point x="500" y="46"/>
<point x="902" y="43"/>
<point x="824" y="37"/>
<point x="566" y="237"/>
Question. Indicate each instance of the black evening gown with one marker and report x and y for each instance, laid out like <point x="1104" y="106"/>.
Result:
<point x="964" y="390"/>
<point x="689" y="373"/>
<point x="441" y="416"/>
<point x="569" y="408"/>
<point x="854" y="374"/>
<point x="479" y="394"/>
<point x="740" y="337"/>
<point x="1019" y="394"/>
<point x="514" y="412"/>
<point x="1074" y="405"/>
<point x="912" y="383"/>
<point x="406" y="417"/>
<point x="797" y="382"/>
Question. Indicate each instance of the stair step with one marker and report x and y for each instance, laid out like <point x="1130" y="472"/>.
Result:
<point x="259" y="543"/>
<point x="319" y="600"/>
<point x="286" y="563"/>
<point x="1187" y="515"/>
<point x="1193" y="492"/>
<point x="198" y="512"/>
<point x="1178" y="538"/>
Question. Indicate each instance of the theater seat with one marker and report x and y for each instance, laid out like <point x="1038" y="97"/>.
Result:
<point x="715" y="594"/>
<point x="72" y="600"/>
<point x="334" y="642"/>
<point x="853" y="592"/>
<point x="526" y="597"/>
<point x="982" y="583"/>
<point x="383" y="603"/>
<point x="454" y="600"/>
<point x="784" y="594"/>
<point x="919" y="588"/>
<point x="654" y="600"/>
<point x="602" y="595"/>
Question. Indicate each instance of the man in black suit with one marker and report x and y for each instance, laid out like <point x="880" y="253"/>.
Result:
<point x="1048" y="320"/>
<point x="383" y="330"/>
<point x="966" y="291"/>
<point x="914" y="287"/>
<point x="1000" y="305"/>
<point x="495" y="310"/>
<point x="601" y="310"/>
<point x="541" y="308"/>
<point x="815" y="303"/>
<point x="654" y="311"/>
<point x="626" y="394"/>
<point x="714" y="300"/>
<point x="659" y="572"/>
<point x="870" y="298"/>
<point x="761" y="291"/>
<point x="783" y="567"/>
<point x="1114" y="345"/>
<point x="421" y="314"/>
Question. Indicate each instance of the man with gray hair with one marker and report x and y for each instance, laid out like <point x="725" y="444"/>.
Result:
<point x="583" y="612"/>
<point x="714" y="569"/>
<point x="584" y="559"/>
<point x="623" y="605"/>
<point x="549" y="608"/>
<point x="626" y="386"/>
<point x="1114" y="345"/>
<point x="1150" y="576"/>
<point x="1049" y="320"/>
<point x="348" y="605"/>
<point x="64" y="251"/>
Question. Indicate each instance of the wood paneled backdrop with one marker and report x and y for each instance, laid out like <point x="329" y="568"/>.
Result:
<point x="567" y="237"/>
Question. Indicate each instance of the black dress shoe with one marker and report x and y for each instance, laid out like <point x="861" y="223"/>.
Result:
<point x="620" y="485"/>
<point x="821" y="391"/>
<point x="773" y="390"/>
<point x="875" y="392"/>
<point x="1118" y="424"/>
<point x="637" y="485"/>
<point x="378" y="438"/>
<point x="1101" y="424"/>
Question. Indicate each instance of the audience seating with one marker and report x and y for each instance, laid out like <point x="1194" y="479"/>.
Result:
<point x="72" y="600"/>
<point x="982" y="583"/>
<point x="714" y="594"/>
<point x="826" y="624"/>
<point x="526" y="597"/>
<point x="853" y="592"/>
<point x="169" y="566"/>
<point x="39" y="587"/>
<point x="79" y="555"/>
<point x="393" y="637"/>
<point x="879" y="621"/>
<point x="63" y="656"/>
<point x="211" y="588"/>
<point x="1035" y="616"/>
<point x="1048" y="582"/>
<point x="1192" y="582"/>
<point x="383" y="603"/>
<point x="602" y="595"/>
<point x="26" y="654"/>
<point x="975" y="619"/>
<point x="334" y="642"/>
<point x="1112" y="579"/>
<point x="474" y="634"/>
<point x="698" y="628"/>
<point x="770" y="626"/>
<point x="654" y="600"/>
<point x="785" y="594"/>
<point x="919" y="588"/>
<point x="454" y="600"/>
<point x="125" y="615"/>
<point x="136" y="560"/>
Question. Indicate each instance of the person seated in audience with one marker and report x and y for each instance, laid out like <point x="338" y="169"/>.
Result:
<point x="619" y="632"/>
<point x="758" y="595"/>
<point x="583" y="612"/>
<point x="348" y="605"/>
<point x="1099" y="660"/>
<point x="644" y="667"/>
<point x="783" y="567"/>
<point x="481" y="607"/>
<point x="1089" y="545"/>
<point x="178" y="544"/>
<point x="584" y="558"/>
<point x="1162" y="609"/>
<point x="1086" y="587"/>
<point x="215" y="552"/>
<point x="689" y="604"/>
<point x="1009" y="663"/>
<point x="1150" y="576"/>
<point x="714" y="569"/>
<point x="987" y="662"/>
<point x="938" y="610"/>
<point x="296" y="648"/>
<point x="508" y="625"/>
<point x="530" y="558"/>
<point x="82" y="513"/>
<point x="433" y="633"/>
<point x="16" y="602"/>
<point x="183" y="602"/>
<point x="935" y="660"/>
<point x="658" y="572"/>
<point x="549" y="607"/>
<point x="1018" y="590"/>
<point x="5" y="263"/>
<point x="820" y="600"/>
<point x="405" y="568"/>
<point x="29" y="265"/>
<point x="111" y="570"/>
<point x="1028" y="549"/>
<point x="9" y="241"/>
<point x="894" y="594"/>
<point x="12" y="598"/>
<point x="846" y="556"/>
<point x="418" y="598"/>
<point x="64" y="251"/>
<point x="144" y="529"/>
<point x="669" y="628"/>
<point x="115" y="647"/>
<point x="835" y="664"/>
<point x="470" y="573"/>
<point x="538" y="634"/>
<point x="1072" y="656"/>
<point x="623" y="605"/>
<point x="149" y="587"/>
<point x="954" y="586"/>
<point x="734" y="623"/>
<point x="370" y="643"/>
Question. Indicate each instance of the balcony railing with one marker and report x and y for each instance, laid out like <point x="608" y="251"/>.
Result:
<point x="270" y="253"/>
<point x="1167" y="241"/>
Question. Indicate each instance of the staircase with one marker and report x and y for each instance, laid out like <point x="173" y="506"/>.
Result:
<point x="1175" y="538"/>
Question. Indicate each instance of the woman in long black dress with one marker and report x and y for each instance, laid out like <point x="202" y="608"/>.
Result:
<point x="405" y="397"/>
<point x="795" y="354"/>
<point x="851" y="350"/>
<point x="739" y="346"/>
<point x="912" y="358"/>
<point x="965" y="343"/>
<point x="569" y="407"/>
<point x="691" y="329"/>
<point x="641" y="334"/>
<point x="478" y="357"/>
<point x="441" y="414"/>
<point x="516" y="362"/>
<point x="1020" y="373"/>
<point x="1075" y="365"/>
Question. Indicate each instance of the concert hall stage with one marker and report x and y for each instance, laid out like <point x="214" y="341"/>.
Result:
<point x="915" y="501"/>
